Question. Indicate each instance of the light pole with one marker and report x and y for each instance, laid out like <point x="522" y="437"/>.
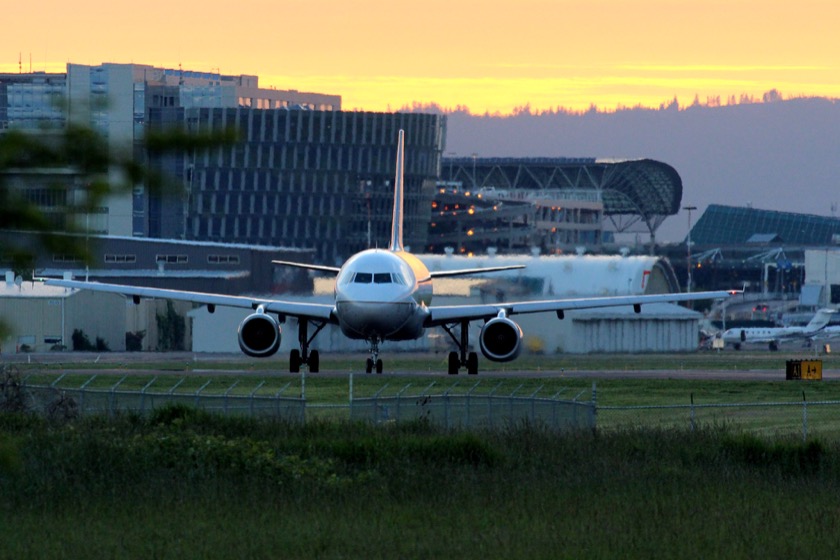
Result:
<point x="475" y="185"/>
<point x="688" y="248"/>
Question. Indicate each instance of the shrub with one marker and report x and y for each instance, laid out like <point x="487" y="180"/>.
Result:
<point x="81" y="342"/>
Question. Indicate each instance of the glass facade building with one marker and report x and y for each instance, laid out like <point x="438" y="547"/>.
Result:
<point x="301" y="178"/>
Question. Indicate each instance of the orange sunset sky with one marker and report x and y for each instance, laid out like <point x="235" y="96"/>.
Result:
<point x="488" y="55"/>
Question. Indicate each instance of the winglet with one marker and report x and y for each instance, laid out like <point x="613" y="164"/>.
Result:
<point x="397" y="218"/>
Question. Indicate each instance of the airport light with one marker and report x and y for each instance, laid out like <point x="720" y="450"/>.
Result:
<point x="688" y="248"/>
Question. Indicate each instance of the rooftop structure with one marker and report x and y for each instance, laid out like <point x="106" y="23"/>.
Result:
<point x="630" y="192"/>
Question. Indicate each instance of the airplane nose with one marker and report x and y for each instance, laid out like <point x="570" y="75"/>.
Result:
<point x="374" y="319"/>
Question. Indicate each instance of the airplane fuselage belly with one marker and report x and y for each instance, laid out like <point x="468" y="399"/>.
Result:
<point x="402" y="320"/>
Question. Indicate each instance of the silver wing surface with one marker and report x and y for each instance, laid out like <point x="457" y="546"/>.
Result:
<point x="289" y="308"/>
<point x="441" y="315"/>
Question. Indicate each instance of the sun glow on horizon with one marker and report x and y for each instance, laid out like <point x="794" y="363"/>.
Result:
<point x="490" y="57"/>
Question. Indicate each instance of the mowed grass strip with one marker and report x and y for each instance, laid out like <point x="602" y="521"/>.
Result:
<point x="434" y="362"/>
<point x="184" y="484"/>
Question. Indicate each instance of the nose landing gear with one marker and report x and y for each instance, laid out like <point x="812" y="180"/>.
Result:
<point x="374" y="363"/>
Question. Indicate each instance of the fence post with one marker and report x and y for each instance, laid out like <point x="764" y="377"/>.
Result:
<point x="490" y="407"/>
<point x="277" y="400"/>
<point x="510" y="401"/>
<point x="804" y="418"/>
<point x="399" y="402"/>
<point x="376" y="418"/>
<point x="172" y="390"/>
<point x="257" y="388"/>
<point x="468" y="421"/>
<point x="447" y="406"/>
<point x="594" y="407"/>
<point x="692" y="412"/>
<point x="532" y="396"/>
<point x="198" y="392"/>
<point x="111" y="410"/>
<point x="225" y="406"/>
<point x="143" y="395"/>
<point x="82" y="394"/>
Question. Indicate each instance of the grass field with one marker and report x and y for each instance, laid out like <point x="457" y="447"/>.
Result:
<point x="184" y="485"/>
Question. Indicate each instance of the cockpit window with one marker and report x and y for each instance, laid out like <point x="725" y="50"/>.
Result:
<point x="379" y="278"/>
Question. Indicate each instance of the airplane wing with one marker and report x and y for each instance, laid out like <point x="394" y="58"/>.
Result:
<point x="441" y="315"/>
<point x="316" y="311"/>
<point x="318" y="267"/>
<point x="466" y="271"/>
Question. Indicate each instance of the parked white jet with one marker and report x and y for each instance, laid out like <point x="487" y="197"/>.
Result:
<point x="773" y="336"/>
<point x="385" y="294"/>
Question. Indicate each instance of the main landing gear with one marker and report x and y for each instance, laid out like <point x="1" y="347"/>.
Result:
<point x="461" y="358"/>
<point x="374" y="362"/>
<point x="303" y="356"/>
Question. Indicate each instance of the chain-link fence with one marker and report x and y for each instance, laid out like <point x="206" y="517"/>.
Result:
<point x="797" y="418"/>
<point x="468" y="411"/>
<point x="481" y="405"/>
<point x="57" y="400"/>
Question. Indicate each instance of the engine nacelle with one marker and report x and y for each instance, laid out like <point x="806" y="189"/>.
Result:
<point x="500" y="339"/>
<point x="259" y="335"/>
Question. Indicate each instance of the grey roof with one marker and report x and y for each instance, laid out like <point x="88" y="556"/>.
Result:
<point x="728" y="225"/>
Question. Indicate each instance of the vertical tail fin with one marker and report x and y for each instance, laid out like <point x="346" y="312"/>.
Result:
<point x="820" y="320"/>
<point x="397" y="218"/>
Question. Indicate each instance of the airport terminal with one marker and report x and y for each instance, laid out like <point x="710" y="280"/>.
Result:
<point x="310" y="182"/>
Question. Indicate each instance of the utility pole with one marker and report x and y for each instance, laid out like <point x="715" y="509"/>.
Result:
<point x="688" y="249"/>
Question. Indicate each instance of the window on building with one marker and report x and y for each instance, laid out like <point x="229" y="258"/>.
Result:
<point x="172" y="259"/>
<point x="223" y="259"/>
<point x="113" y="258"/>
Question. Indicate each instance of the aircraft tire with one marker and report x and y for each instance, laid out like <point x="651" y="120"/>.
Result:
<point x="736" y="346"/>
<point x="472" y="364"/>
<point x="454" y="363"/>
<point x="378" y="366"/>
<point x="368" y="366"/>
<point x="294" y="361"/>
<point x="314" y="361"/>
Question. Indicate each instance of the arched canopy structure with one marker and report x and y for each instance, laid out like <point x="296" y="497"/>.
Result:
<point x="631" y="190"/>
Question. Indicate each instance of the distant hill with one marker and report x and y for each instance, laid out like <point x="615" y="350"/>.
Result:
<point x="780" y="155"/>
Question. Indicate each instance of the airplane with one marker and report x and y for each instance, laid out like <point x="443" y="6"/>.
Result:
<point x="773" y="336"/>
<point x="385" y="295"/>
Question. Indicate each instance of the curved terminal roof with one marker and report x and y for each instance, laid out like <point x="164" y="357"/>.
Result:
<point x="648" y="189"/>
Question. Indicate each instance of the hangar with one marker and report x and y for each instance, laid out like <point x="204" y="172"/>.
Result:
<point x="43" y="318"/>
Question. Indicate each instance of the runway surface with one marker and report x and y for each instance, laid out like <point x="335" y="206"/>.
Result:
<point x="117" y="363"/>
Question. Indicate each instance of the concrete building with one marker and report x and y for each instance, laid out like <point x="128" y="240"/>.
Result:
<point x="115" y="100"/>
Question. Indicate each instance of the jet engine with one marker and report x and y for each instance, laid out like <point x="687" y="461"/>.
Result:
<point x="500" y="339"/>
<point x="259" y="334"/>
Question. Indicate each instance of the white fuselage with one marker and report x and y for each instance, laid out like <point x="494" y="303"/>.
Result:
<point x="382" y="295"/>
<point x="762" y="334"/>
